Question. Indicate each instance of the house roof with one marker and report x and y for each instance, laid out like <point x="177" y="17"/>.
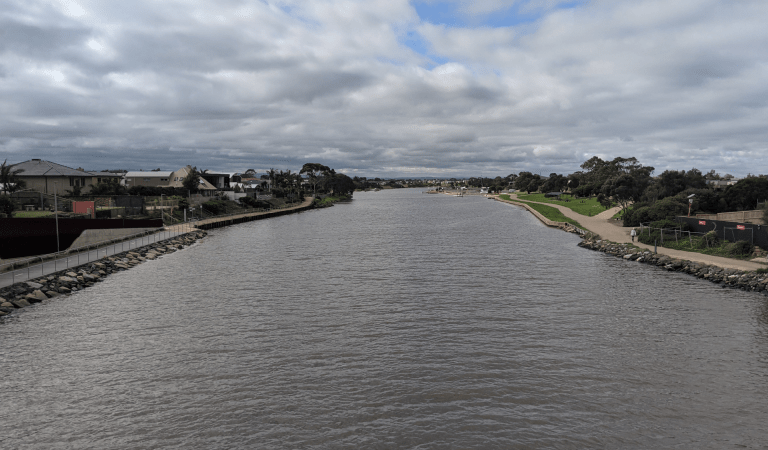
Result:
<point x="41" y="168"/>
<point x="182" y="173"/>
<point x="160" y="174"/>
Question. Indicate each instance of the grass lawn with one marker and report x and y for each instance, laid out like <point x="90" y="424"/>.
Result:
<point x="31" y="214"/>
<point x="584" y="206"/>
<point x="549" y="212"/>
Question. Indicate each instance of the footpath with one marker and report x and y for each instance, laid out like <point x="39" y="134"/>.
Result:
<point x="611" y="230"/>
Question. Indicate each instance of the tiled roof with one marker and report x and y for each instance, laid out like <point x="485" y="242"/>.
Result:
<point x="40" y="168"/>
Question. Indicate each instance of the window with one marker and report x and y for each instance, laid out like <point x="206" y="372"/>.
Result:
<point x="146" y="179"/>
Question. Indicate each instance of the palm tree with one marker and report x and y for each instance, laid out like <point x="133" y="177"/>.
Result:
<point x="272" y="173"/>
<point x="9" y="178"/>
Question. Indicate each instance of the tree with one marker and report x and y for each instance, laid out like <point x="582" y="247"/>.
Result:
<point x="745" y="194"/>
<point x="272" y="174"/>
<point x="313" y="172"/>
<point x="191" y="182"/>
<point x="9" y="178"/>
<point x="108" y="186"/>
<point x="6" y="205"/>
<point x="629" y="183"/>
<point x="554" y="183"/>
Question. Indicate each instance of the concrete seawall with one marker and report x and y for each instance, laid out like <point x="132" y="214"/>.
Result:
<point x="216" y="222"/>
<point x="550" y="223"/>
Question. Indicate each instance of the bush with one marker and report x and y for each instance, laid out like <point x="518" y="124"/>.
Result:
<point x="6" y="205"/>
<point x="740" y="248"/>
<point x="215" y="207"/>
<point x="711" y="238"/>
<point x="665" y="223"/>
<point x="253" y="203"/>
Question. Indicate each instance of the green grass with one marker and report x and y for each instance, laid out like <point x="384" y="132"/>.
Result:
<point x="31" y="214"/>
<point x="696" y="244"/>
<point x="585" y="206"/>
<point x="549" y="212"/>
<point x="330" y="200"/>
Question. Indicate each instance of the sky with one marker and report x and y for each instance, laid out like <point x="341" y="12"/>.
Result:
<point x="387" y="88"/>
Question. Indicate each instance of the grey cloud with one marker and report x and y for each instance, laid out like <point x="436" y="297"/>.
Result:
<point x="145" y="85"/>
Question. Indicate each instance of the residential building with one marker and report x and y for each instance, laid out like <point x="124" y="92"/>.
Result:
<point x="177" y="180"/>
<point x="47" y="176"/>
<point x="150" y="179"/>
<point x="218" y="180"/>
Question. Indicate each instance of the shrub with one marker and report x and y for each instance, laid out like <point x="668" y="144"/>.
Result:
<point x="711" y="238"/>
<point x="665" y="223"/>
<point x="6" y="205"/>
<point x="739" y="248"/>
<point x="215" y="207"/>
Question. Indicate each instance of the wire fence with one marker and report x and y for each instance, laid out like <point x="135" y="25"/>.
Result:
<point x="666" y="236"/>
<point x="21" y="270"/>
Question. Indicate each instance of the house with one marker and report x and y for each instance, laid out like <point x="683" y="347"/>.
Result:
<point x="218" y="180"/>
<point x="177" y="180"/>
<point x="150" y="179"/>
<point x="46" y="176"/>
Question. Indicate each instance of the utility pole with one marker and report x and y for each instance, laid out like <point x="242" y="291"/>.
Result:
<point x="56" y="215"/>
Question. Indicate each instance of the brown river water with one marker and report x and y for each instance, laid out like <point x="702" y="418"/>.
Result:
<point x="397" y="320"/>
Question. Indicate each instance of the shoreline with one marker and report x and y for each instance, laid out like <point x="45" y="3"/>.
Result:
<point x="66" y="281"/>
<point x="702" y="266"/>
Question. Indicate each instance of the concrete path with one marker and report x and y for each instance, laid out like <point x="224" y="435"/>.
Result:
<point x="612" y="230"/>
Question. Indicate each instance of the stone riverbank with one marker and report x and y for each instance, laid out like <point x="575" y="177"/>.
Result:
<point x="733" y="278"/>
<point x="21" y="295"/>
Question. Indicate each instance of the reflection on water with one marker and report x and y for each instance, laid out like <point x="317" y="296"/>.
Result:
<point x="398" y="320"/>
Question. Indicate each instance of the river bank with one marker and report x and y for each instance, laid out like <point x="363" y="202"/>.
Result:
<point x="607" y="229"/>
<point x="727" y="277"/>
<point x="64" y="282"/>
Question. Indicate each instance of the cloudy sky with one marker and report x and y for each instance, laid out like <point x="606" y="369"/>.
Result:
<point x="385" y="87"/>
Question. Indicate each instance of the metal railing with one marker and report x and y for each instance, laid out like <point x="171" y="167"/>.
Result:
<point x="150" y="237"/>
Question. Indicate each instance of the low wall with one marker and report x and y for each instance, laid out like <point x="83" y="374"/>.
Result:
<point x="544" y="220"/>
<point x="217" y="222"/>
<point x="90" y="237"/>
<point x="754" y="216"/>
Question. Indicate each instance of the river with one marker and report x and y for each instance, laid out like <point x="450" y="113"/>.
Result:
<point x="397" y="320"/>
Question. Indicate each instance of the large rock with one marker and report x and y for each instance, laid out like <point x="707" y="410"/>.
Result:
<point x="36" y="297"/>
<point x="71" y="274"/>
<point x="34" y="285"/>
<point x="66" y="279"/>
<point x="20" y="303"/>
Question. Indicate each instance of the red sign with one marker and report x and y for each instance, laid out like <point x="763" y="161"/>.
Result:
<point x="702" y="222"/>
<point x="741" y="227"/>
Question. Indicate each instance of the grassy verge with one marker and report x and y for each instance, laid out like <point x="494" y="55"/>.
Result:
<point x="330" y="200"/>
<point x="585" y="206"/>
<point x="31" y="214"/>
<point x="549" y="212"/>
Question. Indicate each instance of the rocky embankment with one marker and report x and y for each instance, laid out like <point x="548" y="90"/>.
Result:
<point x="733" y="278"/>
<point x="74" y="279"/>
